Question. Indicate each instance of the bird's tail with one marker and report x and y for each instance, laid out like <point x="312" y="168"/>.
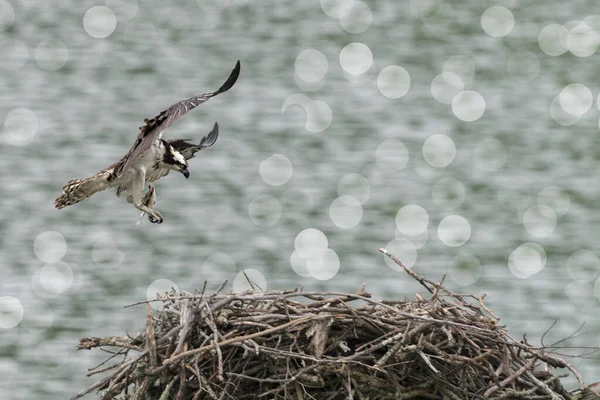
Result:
<point x="78" y="190"/>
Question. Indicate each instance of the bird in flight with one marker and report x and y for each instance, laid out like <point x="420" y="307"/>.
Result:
<point x="187" y="150"/>
<point x="149" y="159"/>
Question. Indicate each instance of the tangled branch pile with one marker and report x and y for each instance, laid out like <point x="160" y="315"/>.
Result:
<point x="297" y="345"/>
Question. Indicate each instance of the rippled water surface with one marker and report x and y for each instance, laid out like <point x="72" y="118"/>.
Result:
<point x="449" y="132"/>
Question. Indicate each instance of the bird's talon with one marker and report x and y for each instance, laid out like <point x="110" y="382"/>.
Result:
<point x="155" y="218"/>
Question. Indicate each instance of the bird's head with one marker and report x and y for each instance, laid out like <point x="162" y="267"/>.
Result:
<point x="176" y="161"/>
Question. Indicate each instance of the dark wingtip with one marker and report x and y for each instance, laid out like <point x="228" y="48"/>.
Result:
<point x="235" y="73"/>
<point x="211" y="138"/>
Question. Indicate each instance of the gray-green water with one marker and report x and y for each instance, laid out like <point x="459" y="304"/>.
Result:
<point x="85" y="97"/>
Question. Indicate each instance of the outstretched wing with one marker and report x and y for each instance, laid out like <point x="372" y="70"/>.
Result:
<point x="189" y="149"/>
<point x="153" y="128"/>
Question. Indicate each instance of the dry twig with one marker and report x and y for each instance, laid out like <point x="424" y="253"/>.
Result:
<point x="297" y="345"/>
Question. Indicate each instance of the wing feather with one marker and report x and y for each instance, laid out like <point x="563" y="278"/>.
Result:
<point x="153" y="128"/>
<point x="156" y="174"/>
<point x="189" y="149"/>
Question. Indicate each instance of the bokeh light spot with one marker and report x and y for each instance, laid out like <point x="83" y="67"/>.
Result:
<point x="539" y="221"/>
<point x="446" y="86"/>
<point x="526" y="260"/>
<point x="393" y="82"/>
<point x="576" y="99"/>
<point x="356" y="58"/>
<point x="583" y="265"/>
<point x="412" y="220"/>
<point x="56" y="277"/>
<point x="159" y="288"/>
<point x="581" y="294"/>
<point x="468" y="105"/>
<point x="39" y="289"/>
<point x="50" y="246"/>
<point x="311" y="243"/>
<point x="11" y="312"/>
<point x="37" y="316"/>
<point x="583" y="40"/>
<point x="325" y="266"/>
<point x="20" y="126"/>
<point x="497" y="21"/>
<point x="311" y="65"/>
<point x="439" y="150"/>
<point x="276" y="170"/>
<point x="265" y="210"/>
<point x="299" y="264"/>
<point x="51" y="54"/>
<point x="454" y="230"/>
<point x="345" y="212"/>
<point x="357" y="19"/>
<point x="336" y="8"/>
<point x="99" y="22"/>
<point x="560" y="116"/>
<point x="106" y="252"/>
<point x="318" y="113"/>
<point x="553" y="39"/>
<point x="402" y="249"/>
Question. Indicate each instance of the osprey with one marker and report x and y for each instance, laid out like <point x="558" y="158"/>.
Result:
<point x="149" y="159"/>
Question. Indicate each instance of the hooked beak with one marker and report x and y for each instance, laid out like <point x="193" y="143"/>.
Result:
<point x="186" y="173"/>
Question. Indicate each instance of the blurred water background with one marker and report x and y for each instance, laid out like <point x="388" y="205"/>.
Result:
<point x="463" y="136"/>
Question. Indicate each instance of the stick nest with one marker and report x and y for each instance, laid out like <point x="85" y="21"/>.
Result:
<point x="299" y="345"/>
